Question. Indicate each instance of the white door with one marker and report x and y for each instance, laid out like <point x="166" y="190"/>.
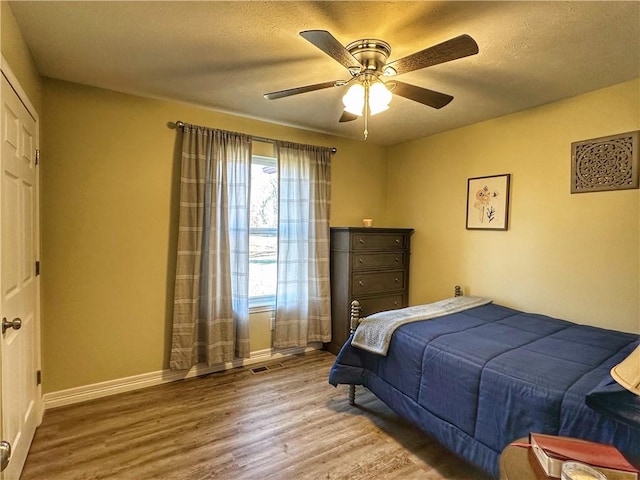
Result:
<point x="19" y="284"/>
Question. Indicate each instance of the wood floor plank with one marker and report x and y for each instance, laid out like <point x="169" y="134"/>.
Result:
<point x="284" y="423"/>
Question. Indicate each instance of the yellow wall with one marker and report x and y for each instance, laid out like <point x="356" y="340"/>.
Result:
<point x="17" y="55"/>
<point x="572" y="256"/>
<point x="109" y="194"/>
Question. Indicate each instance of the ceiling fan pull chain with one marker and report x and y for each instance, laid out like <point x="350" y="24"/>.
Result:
<point x="366" y="108"/>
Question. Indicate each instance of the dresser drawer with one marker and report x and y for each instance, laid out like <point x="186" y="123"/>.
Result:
<point x="364" y="261"/>
<point x="369" y="306"/>
<point x="377" y="241"/>
<point x="370" y="283"/>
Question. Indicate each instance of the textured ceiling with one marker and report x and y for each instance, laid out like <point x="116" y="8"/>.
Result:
<point x="226" y="55"/>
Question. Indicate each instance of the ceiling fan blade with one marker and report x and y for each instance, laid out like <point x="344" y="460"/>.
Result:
<point x="332" y="47"/>
<point x="297" y="90"/>
<point x="347" y="117"/>
<point x="458" y="47"/>
<point x="427" y="97"/>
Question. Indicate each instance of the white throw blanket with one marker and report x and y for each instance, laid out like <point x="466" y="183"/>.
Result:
<point x="375" y="331"/>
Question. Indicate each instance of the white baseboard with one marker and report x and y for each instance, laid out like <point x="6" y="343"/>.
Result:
<point x="135" y="382"/>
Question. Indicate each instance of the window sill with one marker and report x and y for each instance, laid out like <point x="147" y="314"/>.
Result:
<point x="261" y="308"/>
<point x="262" y="303"/>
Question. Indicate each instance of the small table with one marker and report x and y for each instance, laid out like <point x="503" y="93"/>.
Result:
<point x="519" y="463"/>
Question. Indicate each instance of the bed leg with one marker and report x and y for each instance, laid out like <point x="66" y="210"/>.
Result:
<point x="355" y="319"/>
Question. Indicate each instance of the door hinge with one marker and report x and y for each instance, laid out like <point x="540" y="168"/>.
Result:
<point x="39" y="377"/>
<point x="37" y="268"/>
<point x="37" y="156"/>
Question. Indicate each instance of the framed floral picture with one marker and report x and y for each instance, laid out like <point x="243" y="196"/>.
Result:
<point x="488" y="202"/>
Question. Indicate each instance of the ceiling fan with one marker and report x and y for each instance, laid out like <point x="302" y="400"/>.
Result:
<point x="366" y="60"/>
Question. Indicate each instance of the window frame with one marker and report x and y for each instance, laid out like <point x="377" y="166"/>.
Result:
<point x="263" y="303"/>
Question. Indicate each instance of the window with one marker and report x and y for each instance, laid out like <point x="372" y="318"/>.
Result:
<point x="263" y="232"/>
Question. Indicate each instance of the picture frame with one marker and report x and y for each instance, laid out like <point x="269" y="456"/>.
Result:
<point x="606" y="163"/>
<point x="488" y="202"/>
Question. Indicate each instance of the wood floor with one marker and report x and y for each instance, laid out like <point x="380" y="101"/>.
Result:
<point x="284" y="423"/>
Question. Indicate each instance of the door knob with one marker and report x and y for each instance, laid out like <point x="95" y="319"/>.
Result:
<point x="5" y="454"/>
<point x="16" y="323"/>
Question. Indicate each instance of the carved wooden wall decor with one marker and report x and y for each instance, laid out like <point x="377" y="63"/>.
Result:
<point x="605" y="163"/>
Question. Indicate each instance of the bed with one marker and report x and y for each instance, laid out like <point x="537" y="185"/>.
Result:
<point x="479" y="376"/>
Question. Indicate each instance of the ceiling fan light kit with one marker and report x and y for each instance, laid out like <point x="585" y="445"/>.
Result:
<point x="368" y="98"/>
<point x="379" y="97"/>
<point x="366" y="61"/>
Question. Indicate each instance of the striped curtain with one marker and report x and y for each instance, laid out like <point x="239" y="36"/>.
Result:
<point x="303" y="305"/>
<point x="211" y="307"/>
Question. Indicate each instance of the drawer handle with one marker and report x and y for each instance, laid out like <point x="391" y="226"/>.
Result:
<point x="361" y="283"/>
<point x="398" y="241"/>
<point x="396" y="303"/>
<point x="397" y="259"/>
<point x="361" y="260"/>
<point x="397" y="280"/>
<point x="362" y="241"/>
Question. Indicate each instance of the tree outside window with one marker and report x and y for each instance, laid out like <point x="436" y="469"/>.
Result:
<point x="263" y="237"/>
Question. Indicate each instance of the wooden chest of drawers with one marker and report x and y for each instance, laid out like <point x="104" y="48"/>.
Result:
<point x="370" y="265"/>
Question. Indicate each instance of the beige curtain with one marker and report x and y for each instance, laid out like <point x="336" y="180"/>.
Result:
<point x="303" y="308"/>
<point x="211" y="312"/>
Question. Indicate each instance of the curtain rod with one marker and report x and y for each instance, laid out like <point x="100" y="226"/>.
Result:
<point x="180" y="124"/>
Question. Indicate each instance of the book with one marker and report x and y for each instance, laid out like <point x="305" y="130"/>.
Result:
<point x="552" y="451"/>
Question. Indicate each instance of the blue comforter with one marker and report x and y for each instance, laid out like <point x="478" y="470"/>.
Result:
<point x="479" y="379"/>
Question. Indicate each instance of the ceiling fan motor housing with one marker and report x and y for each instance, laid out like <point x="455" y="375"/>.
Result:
<point x="371" y="53"/>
